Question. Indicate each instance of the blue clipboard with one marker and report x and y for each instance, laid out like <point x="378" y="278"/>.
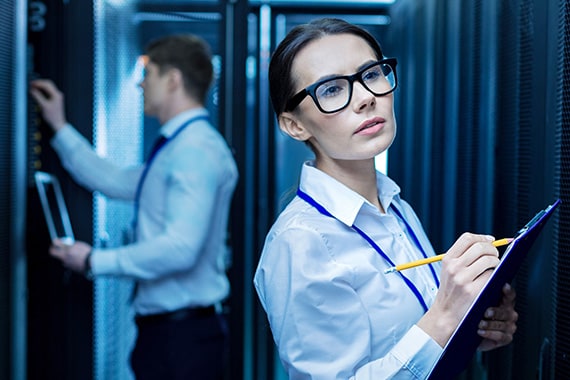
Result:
<point x="462" y="345"/>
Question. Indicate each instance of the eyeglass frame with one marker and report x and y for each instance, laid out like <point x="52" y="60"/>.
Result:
<point x="296" y="99"/>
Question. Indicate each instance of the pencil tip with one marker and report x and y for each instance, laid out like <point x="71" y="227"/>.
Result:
<point x="390" y="270"/>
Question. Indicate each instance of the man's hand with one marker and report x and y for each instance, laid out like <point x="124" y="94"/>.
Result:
<point x="51" y="102"/>
<point x="72" y="256"/>
<point x="499" y="325"/>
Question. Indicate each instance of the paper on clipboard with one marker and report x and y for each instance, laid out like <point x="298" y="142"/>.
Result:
<point x="460" y="348"/>
<point x="54" y="208"/>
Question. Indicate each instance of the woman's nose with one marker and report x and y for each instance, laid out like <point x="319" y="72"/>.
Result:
<point x="362" y="97"/>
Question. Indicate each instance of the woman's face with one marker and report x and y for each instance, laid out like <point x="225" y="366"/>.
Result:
<point x="362" y="130"/>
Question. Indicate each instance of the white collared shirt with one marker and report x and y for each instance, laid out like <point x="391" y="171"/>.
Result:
<point x="333" y="312"/>
<point x="179" y="256"/>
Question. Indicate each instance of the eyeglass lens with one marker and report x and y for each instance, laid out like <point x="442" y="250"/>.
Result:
<point x="335" y="94"/>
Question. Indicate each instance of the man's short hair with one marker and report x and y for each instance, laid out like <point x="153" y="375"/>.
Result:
<point x="188" y="53"/>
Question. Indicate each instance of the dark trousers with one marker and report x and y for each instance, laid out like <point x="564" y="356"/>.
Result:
<point x="181" y="346"/>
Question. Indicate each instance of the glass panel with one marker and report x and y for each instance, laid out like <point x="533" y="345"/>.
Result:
<point x="118" y="136"/>
<point x="123" y="135"/>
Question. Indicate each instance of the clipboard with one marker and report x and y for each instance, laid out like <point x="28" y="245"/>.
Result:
<point x="54" y="208"/>
<point x="463" y="343"/>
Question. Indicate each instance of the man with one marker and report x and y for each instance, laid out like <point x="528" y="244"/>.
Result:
<point x="182" y="197"/>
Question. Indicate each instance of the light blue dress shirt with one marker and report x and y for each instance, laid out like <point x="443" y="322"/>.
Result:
<point x="333" y="312"/>
<point x="180" y="252"/>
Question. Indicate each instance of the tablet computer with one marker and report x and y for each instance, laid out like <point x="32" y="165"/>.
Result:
<point x="54" y="208"/>
<point x="463" y="343"/>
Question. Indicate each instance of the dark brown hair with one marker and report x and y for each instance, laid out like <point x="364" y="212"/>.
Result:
<point x="188" y="53"/>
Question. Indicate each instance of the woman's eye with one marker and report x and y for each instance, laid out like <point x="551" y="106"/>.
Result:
<point x="328" y="90"/>
<point x="371" y="75"/>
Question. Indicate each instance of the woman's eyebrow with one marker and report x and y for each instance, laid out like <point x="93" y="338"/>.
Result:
<point x="332" y="76"/>
<point x="370" y="61"/>
<point x="327" y="77"/>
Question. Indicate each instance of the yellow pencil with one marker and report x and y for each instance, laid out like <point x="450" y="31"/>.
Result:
<point x="433" y="259"/>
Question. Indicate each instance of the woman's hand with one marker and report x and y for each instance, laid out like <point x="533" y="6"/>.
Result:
<point x="466" y="268"/>
<point x="499" y="323"/>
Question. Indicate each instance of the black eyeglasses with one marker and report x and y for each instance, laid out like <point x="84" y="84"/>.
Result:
<point x="333" y="94"/>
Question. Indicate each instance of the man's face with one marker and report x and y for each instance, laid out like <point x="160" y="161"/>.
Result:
<point x="154" y="87"/>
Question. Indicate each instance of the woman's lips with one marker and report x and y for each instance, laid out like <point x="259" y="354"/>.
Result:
<point x="370" y="126"/>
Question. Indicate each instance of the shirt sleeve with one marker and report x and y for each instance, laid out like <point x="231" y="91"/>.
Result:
<point x="92" y="171"/>
<point x="184" y="231"/>
<point x="318" y="320"/>
<point x="199" y="180"/>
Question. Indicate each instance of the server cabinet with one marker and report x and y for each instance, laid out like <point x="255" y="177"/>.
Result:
<point x="13" y="189"/>
<point x="59" y="318"/>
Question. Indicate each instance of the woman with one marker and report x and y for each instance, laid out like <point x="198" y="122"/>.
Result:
<point x="333" y="312"/>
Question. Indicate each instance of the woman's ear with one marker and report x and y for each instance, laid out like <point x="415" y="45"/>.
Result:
<point x="290" y="124"/>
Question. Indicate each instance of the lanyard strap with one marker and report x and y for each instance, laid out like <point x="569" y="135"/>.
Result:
<point x="307" y="198"/>
<point x="416" y="241"/>
<point x="150" y="160"/>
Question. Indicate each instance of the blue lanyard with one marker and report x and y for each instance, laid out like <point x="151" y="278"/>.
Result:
<point x="151" y="160"/>
<point x="416" y="241"/>
<point x="307" y="198"/>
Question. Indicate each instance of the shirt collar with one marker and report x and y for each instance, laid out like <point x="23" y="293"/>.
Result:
<point x="177" y="121"/>
<point x="343" y="203"/>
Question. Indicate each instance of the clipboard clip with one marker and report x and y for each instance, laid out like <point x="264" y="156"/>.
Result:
<point x="536" y="218"/>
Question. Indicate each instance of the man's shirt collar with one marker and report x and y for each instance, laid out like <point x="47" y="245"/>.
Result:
<point x="177" y="121"/>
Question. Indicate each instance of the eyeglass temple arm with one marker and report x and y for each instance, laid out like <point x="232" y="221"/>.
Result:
<point x="295" y="100"/>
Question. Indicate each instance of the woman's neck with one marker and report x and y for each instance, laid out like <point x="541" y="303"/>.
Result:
<point x="359" y="176"/>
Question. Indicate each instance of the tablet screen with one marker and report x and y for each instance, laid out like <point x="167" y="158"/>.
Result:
<point x="54" y="208"/>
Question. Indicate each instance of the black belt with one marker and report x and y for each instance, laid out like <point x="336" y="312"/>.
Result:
<point x="177" y="315"/>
